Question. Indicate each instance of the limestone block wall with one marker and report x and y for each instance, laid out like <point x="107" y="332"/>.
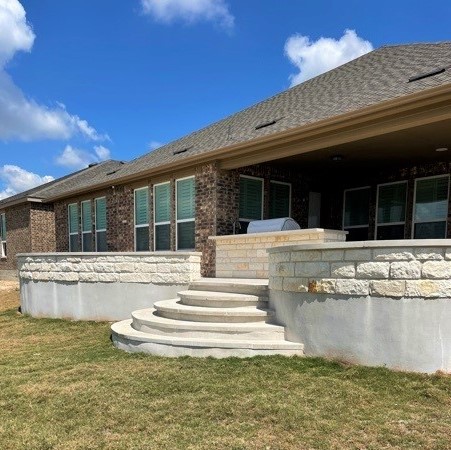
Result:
<point x="245" y="255"/>
<point x="101" y="286"/>
<point x="373" y="302"/>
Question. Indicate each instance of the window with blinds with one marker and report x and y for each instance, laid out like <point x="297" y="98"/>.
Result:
<point x="431" y="207"/>
<point x="279" y="199"/>
<point x="251" y="200"/>
<point x="356" y="211"/>
<point x="86" y="226"/>
<point x="142" y="219"/>
<point x="162" y="216"/>
<point x="100" y="224"/>
<point x="391" y="210"/>
<point x="185" y="213"/>
<point x="3" y="235"/>
<point x="74" y="245"/>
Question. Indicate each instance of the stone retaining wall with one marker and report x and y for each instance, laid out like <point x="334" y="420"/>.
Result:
<point x="373" y="302"/>
<point x="101" y="286"/>
<point x="245" y="255"/>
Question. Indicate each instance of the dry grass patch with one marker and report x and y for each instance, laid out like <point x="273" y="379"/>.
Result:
<point x="63" y="386"/>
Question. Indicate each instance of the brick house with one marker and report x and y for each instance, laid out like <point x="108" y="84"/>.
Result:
<point x="360" y="148"/>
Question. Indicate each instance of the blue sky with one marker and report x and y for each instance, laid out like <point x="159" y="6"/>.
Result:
<point x="85" y="80"/>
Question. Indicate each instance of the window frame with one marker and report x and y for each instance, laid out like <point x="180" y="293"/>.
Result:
<point x="168" y="222"/>
<point x="177" y="221"/>
<point x="344" y="209"/>
<point x="377" y="208"/>
<point x="414" y="222"/>
<point x="81" y="217"/>
<point x="240" y="219"/>
<point x="3" y="251"/>
<point x="73" y="233"/>
<point x="135" y="226"/>
<point x="285" y="183"/>
<point x="98" y="230"/>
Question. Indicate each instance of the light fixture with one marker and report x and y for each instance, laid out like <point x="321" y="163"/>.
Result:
<point x="441" y="149"/>
<point x="336" y="158"/>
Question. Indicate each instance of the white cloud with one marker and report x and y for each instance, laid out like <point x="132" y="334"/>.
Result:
<point x="75" y="158"/>
<point x="189" y="11"/>
<point x="21" y="117"/>
<point x="314" y="58"/>
<point x="153" y="145"/>
<point x="16" y="179"/>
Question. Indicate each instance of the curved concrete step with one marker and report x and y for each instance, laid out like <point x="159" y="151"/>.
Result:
<point x="173" y="309"/>
<point x="131" y="340"/>
<point x="145" y="320"/>
<point x="216" y="299"/>
<point x="234" y="285"/>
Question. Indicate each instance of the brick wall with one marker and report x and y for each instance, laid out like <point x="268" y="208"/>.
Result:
<point x="18" y="236"/>
<point x="42" y="222"/>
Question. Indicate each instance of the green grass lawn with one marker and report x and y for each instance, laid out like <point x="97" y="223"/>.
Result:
<point x="64" y="386"/>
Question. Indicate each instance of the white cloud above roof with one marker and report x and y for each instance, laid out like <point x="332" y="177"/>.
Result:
<point x="21" y="117"/>
<point x="189" y="11"/>
<point x="317" y="57"/>
<point x="15" y="180"/>
<point x="75" y="158"/>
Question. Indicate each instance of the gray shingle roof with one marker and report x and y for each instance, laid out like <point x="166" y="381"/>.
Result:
<point x="373" y="78"/>
<point x="69" y="183"/>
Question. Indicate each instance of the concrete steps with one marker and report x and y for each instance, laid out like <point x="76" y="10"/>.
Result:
<point x="214" y="317"/>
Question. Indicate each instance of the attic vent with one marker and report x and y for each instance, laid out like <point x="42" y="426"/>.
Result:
<point x="113" y="171"/>
<point x="93" y="164"/>
<point x="181" y="150"/>
<point x="265" y="124"/>
<point x="427" y="75"/>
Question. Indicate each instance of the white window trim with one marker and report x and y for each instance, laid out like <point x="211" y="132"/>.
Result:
<point x="289" y="199"/>
<point x="97" y="230"/>
<point x="414" y="222"/>
<point x="344" y="209"/>
<point x="68" y="223"/>
<point x="183" y="220"/>
<point x="263" y="197"/>
<point x="155" y="223"/>
<point x="377" y="207"/>
<point x="82" y="231"/>
<point x="142" y="225"/>
<point x="3" y="238"/>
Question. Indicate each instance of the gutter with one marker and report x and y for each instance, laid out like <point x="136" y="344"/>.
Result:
<point x="20" y="201"/>
<point x="426" y="101"/>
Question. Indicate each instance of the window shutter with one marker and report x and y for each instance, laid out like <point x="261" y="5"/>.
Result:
<point x="392" y="203"/>
<point x="100" y="214"/>
<point x="86" y="216"/>
<point x="163" y="203"/>
<point x="2" y="227"/>
<point x="251" y="200"/>
<point x="185" y="199"/>
<point x="431" y="202"/>
<point x="279" y="200"/>
<point x="142" y="206"/>
<point x="73" y="218"/>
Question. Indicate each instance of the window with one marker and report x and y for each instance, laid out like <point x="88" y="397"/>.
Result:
<point x="73" y="227"/>
<point x="162" y="216"/>
<point x="3" y="235"/>
<point x="279" y="199"/>
<point x="391" y="210"/>
<point x="430" y="207"/>
<point x="356" y="212"/>
<point x="185" y="213"/>
<point x="251" y="200"/>
<point x="142" y="219"/>
<point x="86" y="226"/>
<point x="100" y="211"/>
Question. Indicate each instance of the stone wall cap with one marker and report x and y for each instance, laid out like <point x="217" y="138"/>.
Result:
<point x="276" y="233"/>
<point x="97" y="254"/>
<point x="363" y="244"/>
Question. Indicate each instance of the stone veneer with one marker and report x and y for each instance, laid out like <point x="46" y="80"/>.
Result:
<point x="372" y="302"/>
<point x="408" y="268"/>
<point x="245" y="255"/>
<point x="101" y="286"/>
